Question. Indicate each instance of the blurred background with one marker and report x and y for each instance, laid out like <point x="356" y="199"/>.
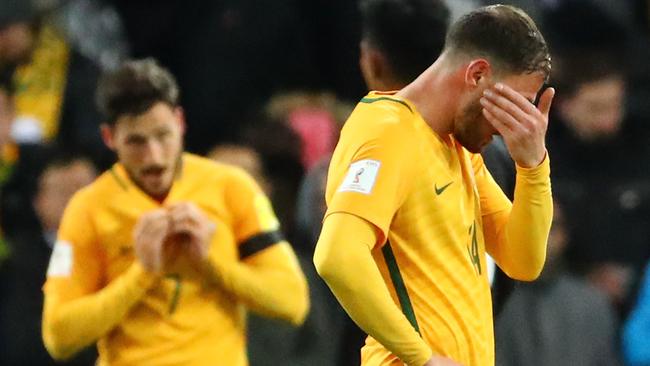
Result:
<point x="266" y="85"/>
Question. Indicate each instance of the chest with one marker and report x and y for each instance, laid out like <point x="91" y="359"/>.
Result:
<point x="115" y="224"/>
<point x="444" y="188"/>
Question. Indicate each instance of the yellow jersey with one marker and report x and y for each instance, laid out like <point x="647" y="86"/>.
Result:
<point x="181" y="320"/>
<point x="427" y="196"/>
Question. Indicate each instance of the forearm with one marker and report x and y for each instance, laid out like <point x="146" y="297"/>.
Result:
<point x="273" y="285"/>
<point x="344" y="261"/>
<point x="70" y="326"/>
<point x="521" y="249"/>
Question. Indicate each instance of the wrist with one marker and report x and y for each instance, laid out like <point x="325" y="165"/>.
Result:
<point x="143" y="276"/>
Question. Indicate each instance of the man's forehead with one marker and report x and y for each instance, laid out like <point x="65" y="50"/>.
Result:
<point x="529" y="84"/>
<point x="143" y="125"/>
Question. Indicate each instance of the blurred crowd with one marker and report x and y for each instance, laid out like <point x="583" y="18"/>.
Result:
<point x="267" y="86"/>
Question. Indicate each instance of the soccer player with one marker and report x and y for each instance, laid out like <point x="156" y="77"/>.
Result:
<point x="412" y="208"/>
<point x="158" y="259"/>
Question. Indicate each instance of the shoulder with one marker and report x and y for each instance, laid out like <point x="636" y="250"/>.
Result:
<point x="206" y="170"/>
<point x="86" y="199"/>
<point x="378" y="115"/>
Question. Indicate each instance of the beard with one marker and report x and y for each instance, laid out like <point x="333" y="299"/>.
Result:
<point x="467" y="128"/>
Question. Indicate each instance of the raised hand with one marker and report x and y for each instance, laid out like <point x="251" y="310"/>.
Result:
<point x="521" y="124"/>
<point x="149" y="234"/>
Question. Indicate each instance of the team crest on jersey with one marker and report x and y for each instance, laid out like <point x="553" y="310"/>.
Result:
<point x="361" y="176"/>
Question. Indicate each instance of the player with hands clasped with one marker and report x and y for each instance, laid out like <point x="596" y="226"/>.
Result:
<point x="158" y="259"/>
<point x="180" y="225"/>
<point x="412" y="209"/>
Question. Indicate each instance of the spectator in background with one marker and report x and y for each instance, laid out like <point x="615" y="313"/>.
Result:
<point x="559" y="319"/>
<point x="52" y="80"/>
<point x="308" y="124"/>
<point x="244" y="157"/>
<point x="23" y="276"/>
<point x="19" y="164"/>
<point x="94" y="28"/>
<point x="7" y="153"/>
<point x="599" y="178"/>
<point x="315" y="117"/>
<point x="279" y="147"/>
<point x="392" y="53"/>
<point x="636" y="332"/>
<point x="318" y="340"/>
<point x="292" y="133"/>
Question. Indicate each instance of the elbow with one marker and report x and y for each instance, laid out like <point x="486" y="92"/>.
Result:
<point x="527" y="271"/>
<point x="325" y="265"/>
<point x="298" y="314"/>
<point x="527" y="276"/>
<point x="56" y="344"/>
<point x="297" y="317"/>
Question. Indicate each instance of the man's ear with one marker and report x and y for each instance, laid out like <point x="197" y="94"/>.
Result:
<point x="180" y="117"/>
<point x="477" y="73"/>
<point x="373" y="65"/>
<point x="107" y="132"/>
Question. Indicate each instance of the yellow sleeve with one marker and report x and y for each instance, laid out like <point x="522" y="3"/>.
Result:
<point x="77" y="311"/>
<point x="270" y="282"/>
<point x="343" y="259"/>
<point x="268" y="278"/>
<point x="516" y="236"/>
<point x="372" y="168"/>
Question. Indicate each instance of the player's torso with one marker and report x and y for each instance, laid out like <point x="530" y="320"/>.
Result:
<point x="183" y="311"/>
<point x="436" y="238"/>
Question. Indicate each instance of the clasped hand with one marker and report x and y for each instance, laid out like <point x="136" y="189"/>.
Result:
<point x="182" y="224"/>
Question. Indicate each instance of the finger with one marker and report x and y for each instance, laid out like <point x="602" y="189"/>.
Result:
<point x="183" y="220"/>
<point x="546" y="100"/>
<point x="498" y="125"/>
<point x="185" y="227"/>
<point x="501" y="115"/>
<point x="506" y="105"/>
<point x="517" y="98"/>
<point x="180" y="207"/>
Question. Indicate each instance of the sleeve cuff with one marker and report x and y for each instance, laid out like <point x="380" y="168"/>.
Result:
<point x="536" y="174"/>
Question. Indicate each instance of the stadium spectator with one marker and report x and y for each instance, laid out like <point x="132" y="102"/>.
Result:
<point x="560" y="319"/>
<point x="22" y="277"/>
<point x="599" y="145"/>
<point x="52" y="82"/>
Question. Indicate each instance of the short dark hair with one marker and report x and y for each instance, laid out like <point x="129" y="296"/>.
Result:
<point x="134" y="88"/>
<point x="410" y="33"/>
<point x="503" y="34"/>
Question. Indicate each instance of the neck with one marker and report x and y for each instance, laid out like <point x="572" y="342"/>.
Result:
<point x="386" y="84"/>
<point x="434" y="95"/>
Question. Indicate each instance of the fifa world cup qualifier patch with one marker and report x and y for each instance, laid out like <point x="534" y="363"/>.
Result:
<point x="361" y="176"/>
<point x="61" y="260"/>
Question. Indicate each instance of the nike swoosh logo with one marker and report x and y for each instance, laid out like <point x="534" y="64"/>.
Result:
<point x="441" y="189"/>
